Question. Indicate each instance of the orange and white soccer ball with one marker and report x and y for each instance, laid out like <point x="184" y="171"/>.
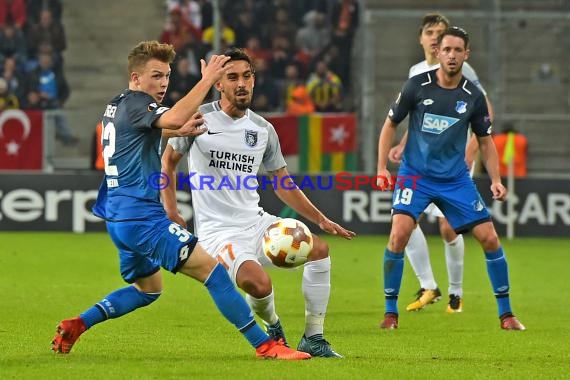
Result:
<point x="287" y="243"/>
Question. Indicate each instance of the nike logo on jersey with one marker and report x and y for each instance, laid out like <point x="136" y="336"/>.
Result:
<point x="213" y="133"/>
<point x="437" y="123"/>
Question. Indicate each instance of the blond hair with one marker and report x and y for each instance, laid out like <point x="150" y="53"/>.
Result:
<point x="147" y="50"/>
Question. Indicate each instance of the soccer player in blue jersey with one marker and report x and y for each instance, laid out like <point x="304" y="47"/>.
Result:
<point x="442" y="104"/>
<point x="147" y="240"/>
<point x="433" y="25"/>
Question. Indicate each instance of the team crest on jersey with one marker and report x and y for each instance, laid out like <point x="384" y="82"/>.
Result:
<point x="250" y="138"/>
<point x="436" y="124"/>
<point x="461" y="106"/>
<point x="477" y="205"/>
<point x="152" y="107"/>
<point x="428" y="102"/>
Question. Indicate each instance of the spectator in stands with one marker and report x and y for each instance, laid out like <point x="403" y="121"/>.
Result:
<point x="344" y="23"/>
<point x="35" y="7"/>
<point x="181" y="81"/>
<point x="254" y="49"/>
<point x="325" y="89"/>
<point x="178" y="32"/>
<point x="266" y="97"/>
<point x="315" y="35"/>
<point x="7" y="100"/>
<point x="281" y="56"/>
<point x="47" y="89"/>
<point x="291" y="82"/>
<point x="300" y="102"/>
<point x="282" y="25"/>
<point x="13" y="44"/>
<point x="520" y="153"/>
<point x="246" y="28"/>
<point x="228" y="35"/>
<point x="14" y="78"/>
<point x="14" y="12"/>
<point x="190" y="10"/>
<point x="46" y="31"/>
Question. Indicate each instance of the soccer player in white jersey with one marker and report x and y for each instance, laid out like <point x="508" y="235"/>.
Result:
<point x="432" y="26"/>
<point x="238" y="141"/>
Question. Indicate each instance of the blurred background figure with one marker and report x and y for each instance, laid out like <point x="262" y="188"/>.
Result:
<point x="519" y="154"/>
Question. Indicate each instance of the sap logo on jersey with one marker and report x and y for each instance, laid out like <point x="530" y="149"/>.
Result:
<point x="437" y="123"/>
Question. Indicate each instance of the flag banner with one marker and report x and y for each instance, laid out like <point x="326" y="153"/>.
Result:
<point x="287" y="128"/>
<point x="21" y="140"/>
<point x="324" y="142"/>
<point x="509" y="152"/>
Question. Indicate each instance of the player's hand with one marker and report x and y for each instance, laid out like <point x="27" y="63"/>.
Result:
<point x="333" y="228"/>
<point x="193" y="127"/>
<point x="499" y="191"/>
<point x="395" y="154"/>
<point x="215" y="69"/>
<point x="384" y="180"/>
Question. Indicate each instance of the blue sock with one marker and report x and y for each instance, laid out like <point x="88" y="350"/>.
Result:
<point x="232" y="305"/>
<point x="393" y="270"/>
<point x="499" y="276"/>
<point x="120" y="302"/>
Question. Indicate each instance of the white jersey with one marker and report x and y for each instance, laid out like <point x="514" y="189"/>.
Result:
<point x="223" y="164"/>
<point x="467" y="71"/>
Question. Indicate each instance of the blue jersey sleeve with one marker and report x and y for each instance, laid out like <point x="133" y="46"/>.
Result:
<point x="143" y="110"/>
<point x="404" y="102"/>
<point x="480" y="119"/>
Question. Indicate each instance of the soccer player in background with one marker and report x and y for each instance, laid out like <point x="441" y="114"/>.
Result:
<point x="230" y="219"/>
<point x="432" y="26"/>
<point x="136" y="220"/>
<point x="442" y="104"/>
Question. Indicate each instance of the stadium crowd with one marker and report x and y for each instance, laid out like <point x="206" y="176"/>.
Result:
<point x="301" y="48"/>
<point x="32" y="42"/>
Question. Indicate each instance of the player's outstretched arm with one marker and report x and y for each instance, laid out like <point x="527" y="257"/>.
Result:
<point x="298" y="201"/>
<point x="181" y="112"/>
<point x="193" y="127"/>
<point x="170" y="159"/>
<point x="491" y="161"/>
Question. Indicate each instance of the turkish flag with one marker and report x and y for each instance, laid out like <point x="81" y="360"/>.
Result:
<point x="339" y="133"/>
<point x="21" y="140"/>
<point x="287" y="128"/>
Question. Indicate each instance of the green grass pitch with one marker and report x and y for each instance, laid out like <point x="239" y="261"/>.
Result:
<point x="50" y="276"/>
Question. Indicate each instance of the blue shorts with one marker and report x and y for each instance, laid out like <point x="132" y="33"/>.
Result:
<point x="145" y="246"/>
<point x="458" y="199"/>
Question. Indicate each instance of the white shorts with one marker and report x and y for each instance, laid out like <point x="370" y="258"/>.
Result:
<point x="433" y="210"/>
<point x="233" y="247"/>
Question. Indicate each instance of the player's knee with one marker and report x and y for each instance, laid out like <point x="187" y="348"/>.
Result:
<point x="398" y="240"/>
<point x="257" y="287"/>
<point x="320" y="250"/>
<point x="490" y="242"/>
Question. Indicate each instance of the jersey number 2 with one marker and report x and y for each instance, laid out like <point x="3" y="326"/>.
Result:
<point x="109" y="149"/>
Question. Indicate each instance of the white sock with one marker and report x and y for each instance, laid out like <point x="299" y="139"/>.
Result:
<point x="418" y="255"/>
<point x="264" y="307"/>
<point x="454" y="253"/>
<point x="316" y="290"/>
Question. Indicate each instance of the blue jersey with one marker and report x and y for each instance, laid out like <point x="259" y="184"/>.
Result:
<point x="438" y="126"/>
<point x="131" y="149"/>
